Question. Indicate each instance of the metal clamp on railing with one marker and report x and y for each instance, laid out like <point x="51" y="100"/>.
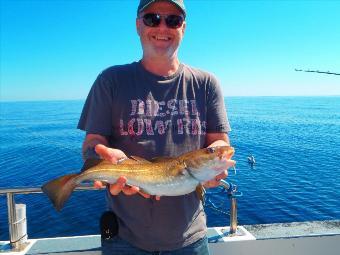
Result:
<point x="232" y="195"/>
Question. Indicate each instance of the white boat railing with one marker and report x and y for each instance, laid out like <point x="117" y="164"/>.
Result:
<point x="17" y="226"/>
<point x="17" y="235"/>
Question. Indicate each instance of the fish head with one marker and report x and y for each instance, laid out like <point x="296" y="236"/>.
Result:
<point x="205" y="164"/>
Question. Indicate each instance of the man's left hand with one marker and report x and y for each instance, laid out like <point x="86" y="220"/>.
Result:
<point x="216" y="181"/>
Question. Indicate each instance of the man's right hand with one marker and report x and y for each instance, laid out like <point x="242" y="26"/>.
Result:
<point x="114" y="155"/>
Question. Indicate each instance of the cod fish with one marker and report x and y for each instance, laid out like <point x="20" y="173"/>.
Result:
<point x="160" y="176"/>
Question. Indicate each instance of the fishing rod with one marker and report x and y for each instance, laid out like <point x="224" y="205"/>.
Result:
<point x="315" y="71"/>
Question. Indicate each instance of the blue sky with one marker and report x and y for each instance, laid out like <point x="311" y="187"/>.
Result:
<point x="55" y="49"/>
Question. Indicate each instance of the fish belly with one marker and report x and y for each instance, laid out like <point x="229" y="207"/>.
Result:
<point x="171" y="186"/>
<point x="175" y="187"/>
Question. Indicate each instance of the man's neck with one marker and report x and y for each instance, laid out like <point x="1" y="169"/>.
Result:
<point x="161" y="67"/>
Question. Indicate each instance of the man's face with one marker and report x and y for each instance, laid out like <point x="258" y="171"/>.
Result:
<point x="160" y="41"/>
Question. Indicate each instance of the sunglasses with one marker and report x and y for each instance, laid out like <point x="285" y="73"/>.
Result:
<point x="154" y="20"/>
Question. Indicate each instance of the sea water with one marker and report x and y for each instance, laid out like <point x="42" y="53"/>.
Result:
<point x="295" y="142"/>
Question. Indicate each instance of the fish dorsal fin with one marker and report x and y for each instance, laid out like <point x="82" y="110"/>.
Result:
<point x="161" y="159"/>
<point x="126" y="161"/>
<point x="91" y="162"/>
<point x="140" y="160"/>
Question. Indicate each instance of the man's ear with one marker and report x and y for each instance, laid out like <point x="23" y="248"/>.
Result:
<point x="138" y="25"/>
<point x="183" y="27"/>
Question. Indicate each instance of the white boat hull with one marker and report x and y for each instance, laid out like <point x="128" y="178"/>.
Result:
<point x="310" y="238"/>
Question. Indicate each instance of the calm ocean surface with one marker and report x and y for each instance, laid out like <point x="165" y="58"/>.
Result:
<point x="295" y="140"/>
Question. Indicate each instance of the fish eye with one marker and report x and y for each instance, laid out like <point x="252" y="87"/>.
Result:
<point x="211" y="149"/>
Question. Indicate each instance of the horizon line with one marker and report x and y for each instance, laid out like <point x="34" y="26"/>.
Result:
<point x="83" y="99"/>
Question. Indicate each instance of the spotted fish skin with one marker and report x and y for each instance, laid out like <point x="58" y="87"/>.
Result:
<point x="162" y="176"/>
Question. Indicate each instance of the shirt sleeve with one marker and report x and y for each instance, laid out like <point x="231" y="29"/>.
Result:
<point x="96" y="116"/>
<point x="217" y="119"/>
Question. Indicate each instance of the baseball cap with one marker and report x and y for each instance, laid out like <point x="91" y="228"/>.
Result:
<point x="145" y="3"/>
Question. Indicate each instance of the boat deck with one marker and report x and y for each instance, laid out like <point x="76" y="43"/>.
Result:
<point x="289" y="238"/>
<point x="294" y="229"/>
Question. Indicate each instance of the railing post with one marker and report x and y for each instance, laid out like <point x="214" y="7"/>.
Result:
<point x="11" y="218"/>
<point x="16" y="223"/>
<point x="232" y="195"/>
<point x="233" y="216"/>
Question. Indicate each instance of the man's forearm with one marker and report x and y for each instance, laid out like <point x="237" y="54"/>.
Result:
<point x="217" y="139"/>
<point x="90" y="142"/>
<point x="219" y="143"/>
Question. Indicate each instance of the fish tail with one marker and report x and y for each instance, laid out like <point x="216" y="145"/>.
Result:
<point x="60" y="189"/>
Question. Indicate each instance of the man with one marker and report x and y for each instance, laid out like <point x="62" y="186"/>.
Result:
<point x="155" y="107"/>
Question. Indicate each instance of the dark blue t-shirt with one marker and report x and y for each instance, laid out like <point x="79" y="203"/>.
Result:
<point x="149" y="116"/>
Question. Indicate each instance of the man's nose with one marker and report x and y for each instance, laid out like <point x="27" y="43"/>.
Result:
<point x="163" y="25"/>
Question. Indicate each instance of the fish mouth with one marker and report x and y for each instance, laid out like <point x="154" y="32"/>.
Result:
<point x="225" y="153"/>
<point x="222" y="157"/>
<point x="220" y="164"/>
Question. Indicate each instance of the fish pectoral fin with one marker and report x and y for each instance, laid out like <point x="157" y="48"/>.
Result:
<point x="178" y="170"/>
<point x="140" y="160"/>
<point x="200" y="192"/>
